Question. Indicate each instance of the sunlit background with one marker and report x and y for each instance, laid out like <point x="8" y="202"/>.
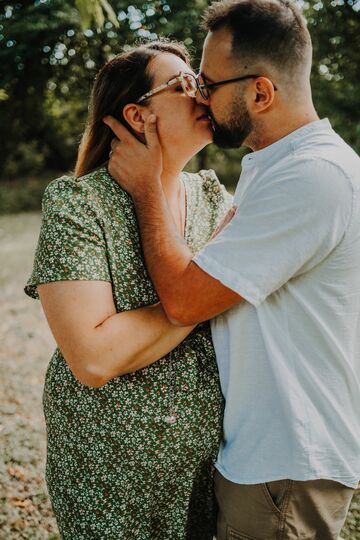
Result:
<point x="50" y="51"/>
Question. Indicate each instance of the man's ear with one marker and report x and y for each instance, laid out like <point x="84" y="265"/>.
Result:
<point x="133" y="115"/>
<point x="263" y="94"/>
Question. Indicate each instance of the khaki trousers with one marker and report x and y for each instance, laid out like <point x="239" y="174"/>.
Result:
<point x="281" y="510"/>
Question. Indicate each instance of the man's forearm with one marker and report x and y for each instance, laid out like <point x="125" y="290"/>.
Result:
<point x="132" y="340"/>
<point x="188" y="293"/>
<point x="166" y="253"/>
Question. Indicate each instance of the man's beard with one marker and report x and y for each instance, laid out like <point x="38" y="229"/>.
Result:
<point x="233" y="133"/>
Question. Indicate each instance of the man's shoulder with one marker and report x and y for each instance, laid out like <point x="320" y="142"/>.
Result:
<point x="307" y="183"/>
<point x="331" y="168"/>
<point x="329" y="152"/>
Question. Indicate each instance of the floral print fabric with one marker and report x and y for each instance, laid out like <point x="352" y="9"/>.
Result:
<point x="115" y="469"/>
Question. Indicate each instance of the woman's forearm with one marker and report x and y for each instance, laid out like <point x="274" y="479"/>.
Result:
<point x="125" y="342"/>
<point x="97" y="342"/>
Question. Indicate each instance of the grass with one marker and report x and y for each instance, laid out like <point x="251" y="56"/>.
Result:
<point x="26" y="346"/>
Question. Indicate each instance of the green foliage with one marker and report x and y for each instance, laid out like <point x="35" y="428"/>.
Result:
<point x="334" y="26"/>
<point x="50" y="51"/>
<point x="50" y="63"/>
<point x="95" y="10"/>
<point x="24" y="194"/>
<point x="3" y="95"/>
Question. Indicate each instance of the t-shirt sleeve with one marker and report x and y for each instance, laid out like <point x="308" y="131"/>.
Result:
<point x="71" y="244"/>
<point x="283" y="227"/>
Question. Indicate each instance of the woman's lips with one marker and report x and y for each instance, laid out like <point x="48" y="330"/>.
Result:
<point x="204" y="117"/>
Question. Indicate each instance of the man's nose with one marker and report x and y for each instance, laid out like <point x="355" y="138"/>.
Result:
<point x="200" y="100"/>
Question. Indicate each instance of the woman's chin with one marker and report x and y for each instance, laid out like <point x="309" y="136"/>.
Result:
<point x="209" y="133"/>
<point x="202" y="145"/>
<point x="210" y="138"/>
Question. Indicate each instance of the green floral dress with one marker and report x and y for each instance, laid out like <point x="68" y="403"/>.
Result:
<point x="115" y="468"/>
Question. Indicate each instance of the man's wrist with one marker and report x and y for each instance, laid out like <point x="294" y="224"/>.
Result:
<point x="147" y="189"/>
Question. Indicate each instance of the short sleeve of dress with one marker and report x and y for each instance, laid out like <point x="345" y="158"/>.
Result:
<point x="71" y="244"/>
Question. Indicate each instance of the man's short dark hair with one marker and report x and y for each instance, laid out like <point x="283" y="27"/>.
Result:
<point x="263" y="30"/>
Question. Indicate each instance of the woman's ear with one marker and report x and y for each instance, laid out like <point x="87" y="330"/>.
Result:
<point x="133" y="116"/>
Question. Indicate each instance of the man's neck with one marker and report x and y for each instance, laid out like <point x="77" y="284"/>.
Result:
<point x="271" y="131"/>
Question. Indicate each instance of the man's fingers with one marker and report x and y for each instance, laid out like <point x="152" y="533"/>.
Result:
<point x="124" y="134"/>
<point x="228" y="216"/>
<point x="151" y="134"/>
<point x="225" y="221"/>
<point x="114" y="143"/>
<point x="231" y="213"/>
<point x="118" y="129"/>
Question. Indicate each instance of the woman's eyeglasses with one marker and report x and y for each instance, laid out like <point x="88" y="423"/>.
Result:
<point x="188" y="83"/>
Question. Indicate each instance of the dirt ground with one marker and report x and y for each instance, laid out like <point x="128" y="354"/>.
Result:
<point x="26" y="346"/>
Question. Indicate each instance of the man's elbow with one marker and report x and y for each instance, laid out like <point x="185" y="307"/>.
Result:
<point x="178" y="322"/>
<point x="180" y="316"/>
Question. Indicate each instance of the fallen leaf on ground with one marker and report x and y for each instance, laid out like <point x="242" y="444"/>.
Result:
<point x="19" y="503"/>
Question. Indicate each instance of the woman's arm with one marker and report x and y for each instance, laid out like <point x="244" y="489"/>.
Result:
<point x="98" y="343"/>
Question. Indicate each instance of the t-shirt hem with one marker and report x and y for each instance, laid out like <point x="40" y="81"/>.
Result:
<point x="228" y="278"/>
<point x="346" y="481"/>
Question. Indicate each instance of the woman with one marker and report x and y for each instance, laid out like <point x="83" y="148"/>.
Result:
<point x="133" y="428"/>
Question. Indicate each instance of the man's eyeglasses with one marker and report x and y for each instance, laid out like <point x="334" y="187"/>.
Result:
<point x="205" y="87"/>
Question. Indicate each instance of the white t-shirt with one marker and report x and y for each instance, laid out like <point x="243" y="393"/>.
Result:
<point x="289" y="355"/>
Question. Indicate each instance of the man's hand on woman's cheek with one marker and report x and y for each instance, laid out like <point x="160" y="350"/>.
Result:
<point x="134" y="165"/>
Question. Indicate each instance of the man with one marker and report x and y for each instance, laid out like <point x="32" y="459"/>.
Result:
<point x="282" y="277"/>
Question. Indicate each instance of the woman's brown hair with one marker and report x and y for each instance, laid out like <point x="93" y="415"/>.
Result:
<point x="122" y="80"/>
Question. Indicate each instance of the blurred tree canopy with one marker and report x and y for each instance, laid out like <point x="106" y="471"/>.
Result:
<point x="50" y="51"/>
